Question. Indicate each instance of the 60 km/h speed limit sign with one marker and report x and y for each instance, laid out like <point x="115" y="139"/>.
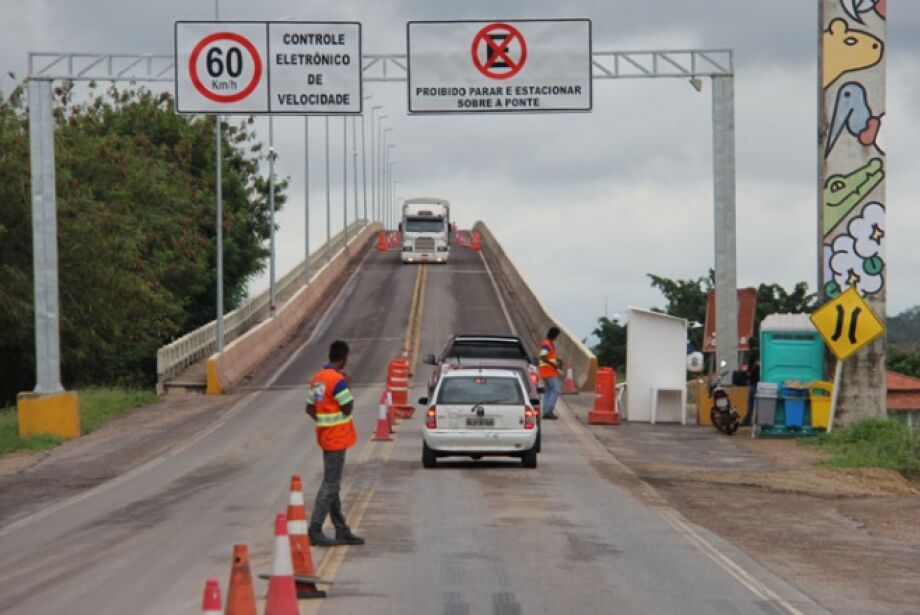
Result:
<point x="292" y="67"/>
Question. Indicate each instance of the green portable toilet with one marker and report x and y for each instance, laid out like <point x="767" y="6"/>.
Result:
<point x="790" y="349"/>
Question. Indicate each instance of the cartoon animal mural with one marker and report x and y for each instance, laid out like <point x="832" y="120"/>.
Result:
<point x="842" y="193"/>
<point x="857" y="257"/>
<point x="857" y="8"/>
<point x="847" y="50"/>
<point x="851" y="111"/>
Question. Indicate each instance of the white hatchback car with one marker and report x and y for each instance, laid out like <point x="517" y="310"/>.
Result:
<point x="479" y="412"/>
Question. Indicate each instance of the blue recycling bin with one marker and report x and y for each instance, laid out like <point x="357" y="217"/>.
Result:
<point x="795" y="406"/>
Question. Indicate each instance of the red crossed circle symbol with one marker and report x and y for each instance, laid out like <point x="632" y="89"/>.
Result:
<point x="497" y="53"/>
<point x="225" y="98"/>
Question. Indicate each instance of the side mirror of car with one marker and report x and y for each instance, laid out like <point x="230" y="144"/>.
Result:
<point x="423" y="401"/>
<point x="534" y="402"/>
<point x="429" y="359"/>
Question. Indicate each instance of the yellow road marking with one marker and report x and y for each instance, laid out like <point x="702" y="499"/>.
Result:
<point x="335" y="557"/>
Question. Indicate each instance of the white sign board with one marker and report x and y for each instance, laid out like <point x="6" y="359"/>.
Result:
<point x="499" y="66"/>
<point x="293" y="67"/>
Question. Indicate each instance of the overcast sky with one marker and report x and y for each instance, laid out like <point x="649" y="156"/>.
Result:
<point x="586" y="204"/>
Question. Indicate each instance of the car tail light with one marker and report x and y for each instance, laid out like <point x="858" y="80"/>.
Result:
<point x="431" y="418"/>
<point x="530" y="418"/>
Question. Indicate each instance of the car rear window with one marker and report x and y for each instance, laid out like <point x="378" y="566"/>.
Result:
<point x="487" y="350"/>
<point x="499" y="391"/>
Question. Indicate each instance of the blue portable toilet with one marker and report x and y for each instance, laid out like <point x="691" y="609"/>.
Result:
<point x="790" y="349"/>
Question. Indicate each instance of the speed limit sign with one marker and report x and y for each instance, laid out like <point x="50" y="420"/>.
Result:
<point x="220" y="67"/>
<point x="268" y="67"/>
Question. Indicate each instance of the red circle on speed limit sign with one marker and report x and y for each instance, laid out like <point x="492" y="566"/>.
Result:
<point x="225" y="68"/>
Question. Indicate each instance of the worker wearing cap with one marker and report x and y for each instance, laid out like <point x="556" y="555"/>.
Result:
<point x="550" y="367"/>
<point x="330" y="404"/>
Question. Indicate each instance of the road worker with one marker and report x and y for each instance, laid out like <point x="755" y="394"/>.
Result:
<point x="330" y="404"/>
<point x="550" y="369"/>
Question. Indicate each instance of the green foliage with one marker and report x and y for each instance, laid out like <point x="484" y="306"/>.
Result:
<point x="97" y="406"/>
<point x="136" y="232"/>
<point x="903" y="362"/>
<point x="873" y="443"/>
<point x="686" y="298"/>
<point x="611" y="347"/>
<point x="774" y="299"/>
<point x="903" y="330"/>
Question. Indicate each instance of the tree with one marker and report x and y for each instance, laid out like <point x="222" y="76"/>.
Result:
<point x="611" y="347"/>
<point x="686" y="298"/>
<point x="136" y="232"/>
<point x="774" y="299"/>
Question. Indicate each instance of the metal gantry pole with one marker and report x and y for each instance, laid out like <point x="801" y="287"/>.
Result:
<point x="344" y="181"/>
<point x="219" y="223"/>
<point x="381" y="142"/>
<point x="364" y="165"/>
<point x="354" y="163"/>
<point x="271" y="212"/>
<point x="723" y="150"/>
<point x="373" y="165"/>
<point x="44" y="239"/>
<point x="306" y="200"/>
<point x="328" y="200"/>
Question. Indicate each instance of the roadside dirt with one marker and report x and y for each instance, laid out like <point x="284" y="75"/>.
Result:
<point x="850" y="538"/>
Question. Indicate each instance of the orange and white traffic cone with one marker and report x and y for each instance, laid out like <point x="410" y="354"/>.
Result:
<point x="383" y="424"/>
<point x="304" y="573"/>
<point x="475" y="241"/>
<point x="391" y="411"/>
<point x="241" y="599"/>
<point x="210" y="603"/>
<point x="398" y="387"/>
<point x="569" y="383"/>
<point x="382" y="241"/>
<point x="282" y="596"/>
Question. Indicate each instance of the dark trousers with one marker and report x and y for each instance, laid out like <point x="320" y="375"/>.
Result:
<point x="327" y="498"/>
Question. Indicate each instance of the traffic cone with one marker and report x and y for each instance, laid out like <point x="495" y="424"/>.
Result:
<point x="210" y="603"/>
<point x="475" y="244"/>
<point x="383" y="424"/>
<point x="304" y="573"/>
<point x="382" y="241"/>
<point x="240" y="597"/>
<point x="398" y="386"/>
<point x="391" y="411"/>
<point x="569" y="383"/>
<point x="282" y="596"/>
<point x="605" y="410"/>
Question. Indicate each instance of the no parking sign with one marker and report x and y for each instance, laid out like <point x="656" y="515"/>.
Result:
<point x="268" y="67"/>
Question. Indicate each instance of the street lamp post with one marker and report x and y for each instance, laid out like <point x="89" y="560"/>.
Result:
<point x="380" y="161"/>
<point x="374" y="162"/>
<point x="328" y="200"/>
<point x="386" y="197"/>
<point x="306" y="200"/>
<point x="271" y="213"/>
<point x="354" y="163"/>
<point x="344" y="181"/>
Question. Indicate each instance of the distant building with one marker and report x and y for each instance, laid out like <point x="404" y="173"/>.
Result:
<point x="904" y="397"/>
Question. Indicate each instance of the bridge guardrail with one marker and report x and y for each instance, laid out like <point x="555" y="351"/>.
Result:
<point x="178" y="355"/>
<point x="536" y="316"/>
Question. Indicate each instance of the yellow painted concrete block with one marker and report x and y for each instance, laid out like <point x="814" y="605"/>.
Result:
<point x="214" y="385"/>
<point x="58" y="414"/>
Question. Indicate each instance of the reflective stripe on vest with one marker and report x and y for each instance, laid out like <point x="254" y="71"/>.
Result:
<point x="331" y="420"/>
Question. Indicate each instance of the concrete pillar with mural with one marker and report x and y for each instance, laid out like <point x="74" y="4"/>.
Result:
<point x="851" y="172"/>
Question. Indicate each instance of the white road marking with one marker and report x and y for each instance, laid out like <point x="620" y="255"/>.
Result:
<point x="501" y="300"/>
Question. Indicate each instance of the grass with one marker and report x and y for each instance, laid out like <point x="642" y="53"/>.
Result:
<point x="873" y="443"/>
<point x="97" y="406"/>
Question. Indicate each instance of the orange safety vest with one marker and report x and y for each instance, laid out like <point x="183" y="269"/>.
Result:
<point x="548" y="360"/>
<point x="334" y="430"/>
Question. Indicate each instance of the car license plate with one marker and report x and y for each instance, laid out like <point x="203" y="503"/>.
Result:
<point x="480" y="421"/>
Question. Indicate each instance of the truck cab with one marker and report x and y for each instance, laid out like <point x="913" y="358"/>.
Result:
<point x="425" y="230"/>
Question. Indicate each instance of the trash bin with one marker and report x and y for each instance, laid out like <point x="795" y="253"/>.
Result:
<point x="795" y="406"/>
<point x="819" y="395"/>
<point x="765" y="403"/>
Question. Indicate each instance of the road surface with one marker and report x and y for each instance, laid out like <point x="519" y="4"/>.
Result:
<point x="579" y="534"/>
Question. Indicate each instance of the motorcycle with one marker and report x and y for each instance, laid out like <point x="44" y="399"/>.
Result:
<point x="723" y="414"/>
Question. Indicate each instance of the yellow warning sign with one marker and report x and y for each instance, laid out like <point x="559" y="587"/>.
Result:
<point x="847" y="323"/>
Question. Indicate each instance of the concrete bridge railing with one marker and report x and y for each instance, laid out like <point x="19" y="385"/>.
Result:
<point x="536" y="316"/>
<point x="194" y="346"/>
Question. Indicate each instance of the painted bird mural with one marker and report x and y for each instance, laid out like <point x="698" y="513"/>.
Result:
<point x="852" y="112"/>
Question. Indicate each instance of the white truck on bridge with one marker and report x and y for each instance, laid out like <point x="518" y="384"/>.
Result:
<point x="425" y="230"/>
